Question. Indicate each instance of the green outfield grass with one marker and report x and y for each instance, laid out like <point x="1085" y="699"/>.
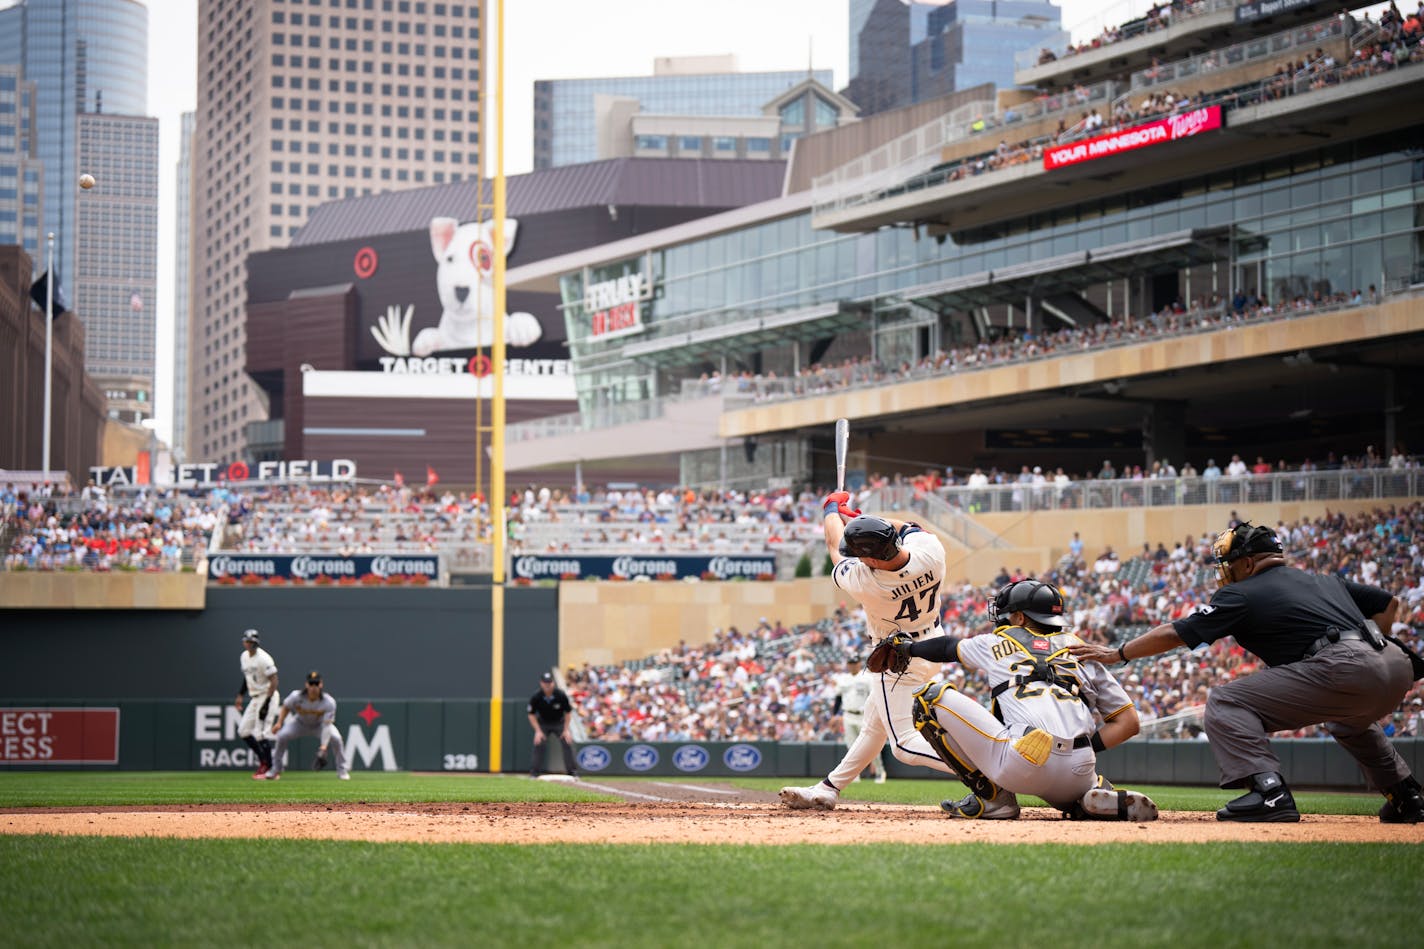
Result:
<point x="136" y="788"/>
<point x="144" y="892"/>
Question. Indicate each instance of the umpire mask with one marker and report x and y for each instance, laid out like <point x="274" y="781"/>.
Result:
<point x="1241" y="541"/>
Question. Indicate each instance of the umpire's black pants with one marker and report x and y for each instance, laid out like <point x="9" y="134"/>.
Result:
<point x="1347" y="686"/>
<point x="551" y="732"/>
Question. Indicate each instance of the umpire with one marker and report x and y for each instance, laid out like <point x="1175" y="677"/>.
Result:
<point x="1320" y="636"/>
<point x="549" y="711"/>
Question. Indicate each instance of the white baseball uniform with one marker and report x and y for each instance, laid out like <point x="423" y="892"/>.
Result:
<point x="308" y="718"/>
<point x="1059" y="765"/>
<point x="904" y="600"/>
<point x="853" y="689"/>
<point x="261" y="674"/>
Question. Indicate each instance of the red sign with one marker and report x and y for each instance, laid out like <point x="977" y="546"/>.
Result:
<point x="616" y="320"/>
<point x="1170" y="129"/>
<point x="59" y="736"/>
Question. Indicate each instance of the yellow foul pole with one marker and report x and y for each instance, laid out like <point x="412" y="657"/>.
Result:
<point x="496" y="498"/>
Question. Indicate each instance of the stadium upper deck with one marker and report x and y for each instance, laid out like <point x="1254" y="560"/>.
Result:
<point x="1267" y="174"/>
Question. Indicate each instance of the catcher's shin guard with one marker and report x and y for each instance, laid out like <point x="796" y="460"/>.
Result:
<point x="926" y="697"/>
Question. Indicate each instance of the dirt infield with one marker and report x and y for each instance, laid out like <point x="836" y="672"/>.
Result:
<point x="669" y="813"/>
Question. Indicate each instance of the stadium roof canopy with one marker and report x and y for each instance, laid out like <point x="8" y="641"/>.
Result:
<point x="615" y="183"/>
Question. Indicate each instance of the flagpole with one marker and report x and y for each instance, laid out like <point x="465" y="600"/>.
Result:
<point x="49" y="348"/>
<point x="497" y="513"/>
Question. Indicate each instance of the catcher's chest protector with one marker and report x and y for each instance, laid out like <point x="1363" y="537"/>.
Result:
<point x="1036" y="651"/>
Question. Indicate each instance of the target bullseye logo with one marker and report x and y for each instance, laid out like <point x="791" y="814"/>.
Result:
<point x="237" y="471"/>
<point x="479" y="365"/>
<point x="365" y="262"/>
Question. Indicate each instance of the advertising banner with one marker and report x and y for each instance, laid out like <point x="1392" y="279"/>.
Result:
<point x="40" y="736"/>
<point x="203" y="474"/>
<point x="312" y="566"/>
<point x="1260" y="9"/>
<point x="679" y="566"/>
<point x="1169" y="129"/>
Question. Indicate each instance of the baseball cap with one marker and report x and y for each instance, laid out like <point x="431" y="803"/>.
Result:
<point x="314" y="678"/>
<point x="252" y="636"/>
<point x="547" y="677"/>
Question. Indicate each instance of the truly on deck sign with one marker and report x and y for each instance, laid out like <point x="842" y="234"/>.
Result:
<point x="1168" y="129"/>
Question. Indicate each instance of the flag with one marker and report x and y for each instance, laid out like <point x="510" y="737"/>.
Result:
<point x="430" y="476"/>
<point x="61" y="299"/>
<point x="400" y="482"/>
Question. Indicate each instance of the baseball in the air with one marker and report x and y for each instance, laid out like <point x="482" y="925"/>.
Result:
<point x="86" y="182"/>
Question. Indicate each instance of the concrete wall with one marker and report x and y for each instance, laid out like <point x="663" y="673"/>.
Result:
<point x="120" y="590"/>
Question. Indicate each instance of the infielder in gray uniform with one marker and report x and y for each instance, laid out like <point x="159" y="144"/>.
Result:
<point x="1329" y="663"/>
<point x="1051" y="715"/>
<point x="309" y="713"/>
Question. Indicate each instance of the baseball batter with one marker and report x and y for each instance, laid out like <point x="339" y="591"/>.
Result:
<point x="1051" y="715"/>
<point x="259" y="683"/>
<point x="894" y="569"/>
<point x="310" y="713"/>
<point x="853" y="687"/>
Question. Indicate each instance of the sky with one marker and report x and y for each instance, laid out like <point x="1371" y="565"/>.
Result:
<point x="546" y="39"/>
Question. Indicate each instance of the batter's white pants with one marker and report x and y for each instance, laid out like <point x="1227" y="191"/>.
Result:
<point x="890" y="716"/>
<point x="981" y="741"/>
<point x="261" y="729"/>
<point x="295" y="728"/>
<point x="852" y="724"/>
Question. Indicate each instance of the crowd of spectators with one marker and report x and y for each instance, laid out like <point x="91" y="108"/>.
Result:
<point x="59" y="530"/>
<point x="774" y="683"/>
<point x="1158" y="17"/>
<point x="1204" y="313"/>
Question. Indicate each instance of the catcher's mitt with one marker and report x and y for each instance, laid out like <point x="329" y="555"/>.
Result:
<point x="891" y="654"/>
<point x="319" y="761"/>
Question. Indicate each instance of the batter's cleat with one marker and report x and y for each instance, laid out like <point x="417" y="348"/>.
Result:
<point x="1268" y="801"/>
<point x="1004" y="806"/>
<point x="820" y="797"/>
<point x="1110" y="804"/>
<point x="1034" y="746"/>
<point x="1404" y="804"/>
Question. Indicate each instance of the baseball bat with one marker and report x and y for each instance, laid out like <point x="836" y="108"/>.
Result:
<point x="842" y="441"/>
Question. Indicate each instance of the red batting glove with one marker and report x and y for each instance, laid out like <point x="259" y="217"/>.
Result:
<point x="832" y="502"/>
<point x="847" y="511"/>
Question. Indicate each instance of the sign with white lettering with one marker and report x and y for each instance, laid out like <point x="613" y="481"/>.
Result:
<point x="715" y="566"/>
<point x="614" y="307"/>
<point x="332" y="566"/>
<point x="211" y="473"/>
<point x="1260" y="9"/>
<point x="31" y="736"/>
<point x="1169" y="129"/>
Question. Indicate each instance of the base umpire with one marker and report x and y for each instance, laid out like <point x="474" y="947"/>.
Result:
<point x="1329" y="663"/>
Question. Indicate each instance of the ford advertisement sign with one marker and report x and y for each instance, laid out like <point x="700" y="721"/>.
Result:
<point x="715" y="567"/>
<point x="315" y="566"/>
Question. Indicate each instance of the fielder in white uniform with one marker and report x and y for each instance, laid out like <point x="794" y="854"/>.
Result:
<point x="894" y="569"/>
<point x="259" y="682"/>
<point x="853" y="687"/>
<point x="310" y="713"/>
<point x="1051" y="715"/>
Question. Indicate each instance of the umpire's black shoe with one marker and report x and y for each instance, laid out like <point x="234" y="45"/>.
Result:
<point x="1403" y="803"/>
<point x="1268" y="801"/>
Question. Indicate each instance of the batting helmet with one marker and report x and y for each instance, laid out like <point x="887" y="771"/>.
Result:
<point x="1243" y="540"/>
<point x="252" y="636"/>
<point x="869" y="536"/>
<point x="1038" y="601"/>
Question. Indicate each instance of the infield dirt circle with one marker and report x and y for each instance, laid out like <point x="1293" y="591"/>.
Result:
<point x="658" y="812"/>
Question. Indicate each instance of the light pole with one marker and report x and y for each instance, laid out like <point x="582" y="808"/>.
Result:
<point x="49" y="347"/>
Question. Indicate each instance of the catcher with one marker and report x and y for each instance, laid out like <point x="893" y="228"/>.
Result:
<point x="309" y="713"/>
<point x="1051" y="714"/>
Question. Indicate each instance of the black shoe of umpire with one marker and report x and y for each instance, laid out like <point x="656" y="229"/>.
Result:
<point x="1267" y="801"/>
<point x="1404" y="804"/>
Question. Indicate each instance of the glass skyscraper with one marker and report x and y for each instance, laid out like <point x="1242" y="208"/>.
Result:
<point x="565" y="131"/>
<point x="83" y="56"/>
<point x="21" y="173"/>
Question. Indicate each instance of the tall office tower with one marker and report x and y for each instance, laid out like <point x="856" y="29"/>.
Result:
<point x="21" y="171"/>
<point x="908" y="52"/>
<point x="565" y="123"/>
<point x="116" y="268"/>
<point x="182" y="286"/>
<point x="299" y="104"/>
<point x="78" y="53"/>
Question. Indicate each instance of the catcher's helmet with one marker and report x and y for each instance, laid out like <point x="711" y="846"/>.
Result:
<point x="869" y="536"/>
<point x="1243" y="540"/>
<point x="1038" y="601"/>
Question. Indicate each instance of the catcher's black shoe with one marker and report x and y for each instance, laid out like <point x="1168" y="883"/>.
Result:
<point x="1268" y="801"/>
<point x="1004" y="806"/>
<point x="1404" y="804"/>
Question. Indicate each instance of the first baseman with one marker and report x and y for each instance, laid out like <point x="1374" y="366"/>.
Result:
<point x="310" y="713"/>
<point x="259" y="682"/>
<point x="894" y="568"/>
